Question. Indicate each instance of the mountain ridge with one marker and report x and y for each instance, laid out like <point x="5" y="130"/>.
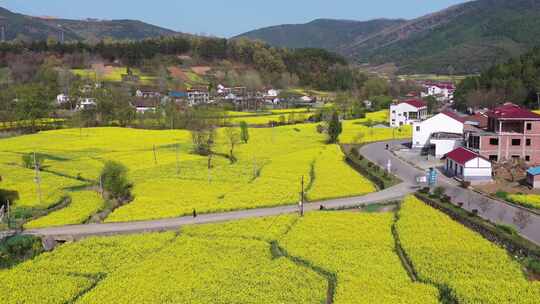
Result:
<point x="20" y="26"/>
<point x="463" y="38"/>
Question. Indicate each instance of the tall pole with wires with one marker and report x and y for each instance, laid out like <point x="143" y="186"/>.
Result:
<point x="37" y="178"/>
<point x="302" y="198"/>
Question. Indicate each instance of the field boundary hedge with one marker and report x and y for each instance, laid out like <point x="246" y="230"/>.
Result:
<point x="359" y="163"/>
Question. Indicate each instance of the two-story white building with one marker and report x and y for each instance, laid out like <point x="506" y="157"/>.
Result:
<point x="443" y="132"/>
<point x="407" y="112"/>
<point x="441" y="91"/>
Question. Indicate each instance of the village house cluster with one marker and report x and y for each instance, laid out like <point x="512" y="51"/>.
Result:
<point x="149" y="99"/>
<point x="472" y="144"/>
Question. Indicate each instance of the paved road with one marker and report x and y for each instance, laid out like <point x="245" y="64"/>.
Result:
<point x="494" y="210"/>
<point x="80" y="231"/>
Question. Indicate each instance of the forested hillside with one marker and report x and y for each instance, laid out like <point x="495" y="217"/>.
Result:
<point x="517" y="80"/>
<point x="321" y="33"/>
<point x="462" y="39"/>
<point x="28" y="28"/>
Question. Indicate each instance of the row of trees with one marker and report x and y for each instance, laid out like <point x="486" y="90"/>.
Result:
<point x="314" y="67"/>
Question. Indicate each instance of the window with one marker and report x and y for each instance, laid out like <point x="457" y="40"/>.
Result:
<point x="418" y="129"/>
<point x="516" y="142"/>
<point x="515" y="158"/>
<point x="529" y="126"/>
<point x="493" y="158"/>
<point x="394" y="112"/>
<point x="527" y="158"/>
<point x="494" y="141"/>
<point x="528" y="142"/>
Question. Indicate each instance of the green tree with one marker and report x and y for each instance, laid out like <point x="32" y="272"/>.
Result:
<point x="32" y="103"/>
<point x="335" y="128"/>
<point x="114" y="180"/>
<point x="244" y="132"/>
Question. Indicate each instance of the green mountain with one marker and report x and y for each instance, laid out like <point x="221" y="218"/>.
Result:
<point x="36" y="28"/>
<point x="321" y="33"/>
<point x="464" y="38"/>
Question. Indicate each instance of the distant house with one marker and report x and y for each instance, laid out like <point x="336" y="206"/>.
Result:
<point x="533" y="177"/>
<point x="468" y="166"/>
<point x="86" y="104"/>
<point x="143" y="105"/>
<point x="368" y="104"/>
<point x="147" y="93"/>
<point x="198" y="96"/>
<point x="407" y="112"/>
<point x="441" y="133"/>
<point x="443" y="91"/>
<point x="62" y="99"/>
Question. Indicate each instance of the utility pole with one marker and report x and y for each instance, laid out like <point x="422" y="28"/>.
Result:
<point x="155" y="156"/>
<point x="8" y="219"/>
<point x="177" y="160"/>
<point x="302" y="198"/>
<point x="37" y="178"/>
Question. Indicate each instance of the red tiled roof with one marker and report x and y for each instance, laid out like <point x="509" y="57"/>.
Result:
<point x="417" y="103"/>
<point x="454" y="116"/>
<point x="461" y="155"/>
<point x="510" y="111"/>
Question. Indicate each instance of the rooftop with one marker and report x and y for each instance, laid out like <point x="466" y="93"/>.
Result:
<point x="417" y="103"/>
<point x="510" y="111"/>
<point x="534" y="170"/>
<point x="455" y="116"/>
<point x="462" y="155"/>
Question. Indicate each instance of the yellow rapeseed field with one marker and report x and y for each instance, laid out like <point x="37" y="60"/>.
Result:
<point x="446" y="253"/>
<point x="268" y="172"/>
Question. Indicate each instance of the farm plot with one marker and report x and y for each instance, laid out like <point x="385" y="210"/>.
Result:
<point x="169" y="180"/>
<point x="527" y="200"/>
<point x="350" y="257"/>
<point x="448" y="254"/>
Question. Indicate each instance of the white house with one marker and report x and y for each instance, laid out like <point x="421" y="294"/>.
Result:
<point x="86" y="103"/>
<point x="468" y="166"/>
<point x="407" y="112"/>
<point x="441" y="91"/>
<point x="444" y="131"/>
<point x="198" y="97"/>
<point x="143" y="105"/>
<point x="62" y="99"/>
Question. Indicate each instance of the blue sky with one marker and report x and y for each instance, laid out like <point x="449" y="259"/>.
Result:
<point x="226" y="18"/>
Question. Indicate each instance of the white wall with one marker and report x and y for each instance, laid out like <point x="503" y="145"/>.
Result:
<point x="439" y="123"/>
<point x="445" y="146"/>
<point x="399" y="114"/>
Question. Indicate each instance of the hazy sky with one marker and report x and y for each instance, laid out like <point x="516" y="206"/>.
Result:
<point x="226" y="18"/>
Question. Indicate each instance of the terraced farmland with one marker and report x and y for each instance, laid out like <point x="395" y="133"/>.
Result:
<point x="325" y="257"/>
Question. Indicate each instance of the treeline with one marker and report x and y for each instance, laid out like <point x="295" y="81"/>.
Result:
<point x="517" y="80"/>
<point x="315" y="68"/>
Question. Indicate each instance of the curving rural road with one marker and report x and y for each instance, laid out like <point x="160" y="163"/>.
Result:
<point x="376" y="152"/>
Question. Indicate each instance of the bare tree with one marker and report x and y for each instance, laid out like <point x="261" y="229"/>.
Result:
<point x="233" y="138"/>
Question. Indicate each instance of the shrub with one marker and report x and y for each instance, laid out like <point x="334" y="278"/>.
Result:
<point x="533" y="265"/>
<point x="114" y="180"/>
<point x="30" y="162"/>
<point x="439" y="192"/>
<point x="424" y="190"/>
<point x="501" y="194"/>
<point x="508" y="229"/>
